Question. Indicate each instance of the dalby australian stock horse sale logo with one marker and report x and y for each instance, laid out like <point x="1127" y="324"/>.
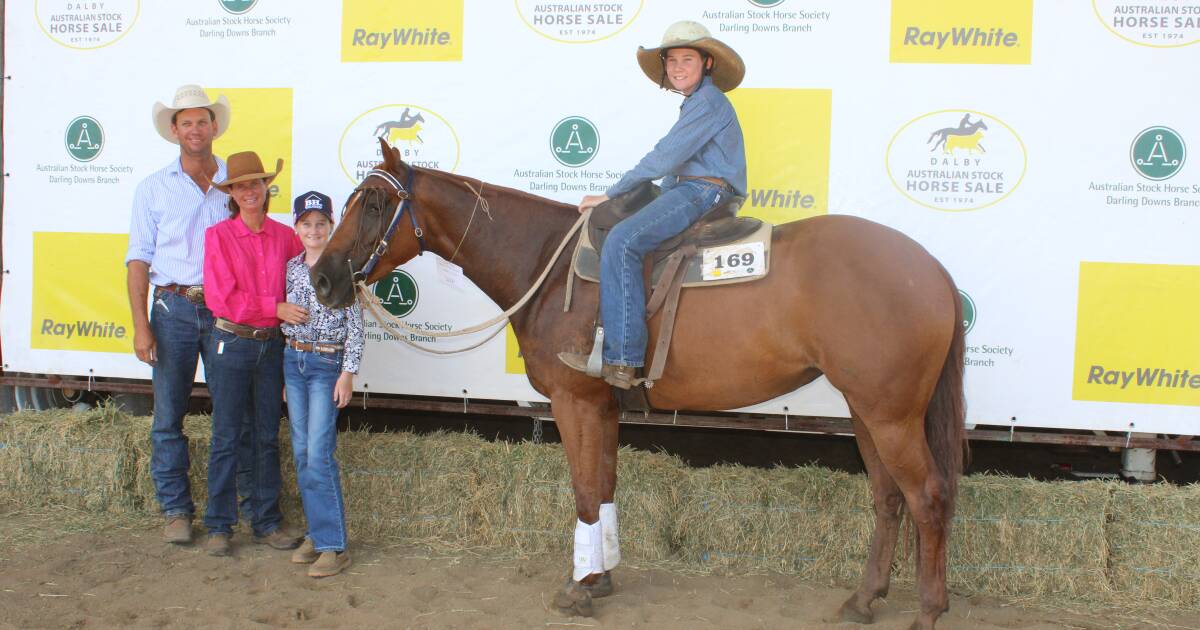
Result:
<point x="86" y="25"/>
<point x="421" y="135"/>
<point x="572" y="22"/>
<point x="1153" y="23"/>
<point x="956" y="160"/>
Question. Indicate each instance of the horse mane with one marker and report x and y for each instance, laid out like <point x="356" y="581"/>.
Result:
<point x="479" y="184"/>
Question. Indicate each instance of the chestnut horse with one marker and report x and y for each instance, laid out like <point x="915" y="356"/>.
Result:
<point x="856" y="301"/>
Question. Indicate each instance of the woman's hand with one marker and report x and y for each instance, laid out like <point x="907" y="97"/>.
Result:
<point x="343" y="389"/>
<point x="291" y="313"/>
<point x="591" y="201"/>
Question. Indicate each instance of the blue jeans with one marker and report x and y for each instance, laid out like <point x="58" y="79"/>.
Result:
<point x="244" y="373"/>
<point x="181" y="331"/>
<point x="622" y="283"/>
<point x="310" y="377"/>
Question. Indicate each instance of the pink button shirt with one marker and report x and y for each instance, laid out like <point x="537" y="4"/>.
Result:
<point x="244" y="271"/>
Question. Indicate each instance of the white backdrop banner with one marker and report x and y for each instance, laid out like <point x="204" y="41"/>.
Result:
<point x="1039" y="149"/>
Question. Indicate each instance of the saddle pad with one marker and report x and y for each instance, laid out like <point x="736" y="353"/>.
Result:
<point x="587" y="261"/>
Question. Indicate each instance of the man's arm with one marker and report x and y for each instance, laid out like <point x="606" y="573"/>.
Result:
<point x="137" y="280"/>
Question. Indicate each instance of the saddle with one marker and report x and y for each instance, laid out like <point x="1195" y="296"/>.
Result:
<point x="710" y="252"/>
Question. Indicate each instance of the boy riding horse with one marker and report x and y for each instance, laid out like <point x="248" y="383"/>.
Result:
<point x="702" y="163"/>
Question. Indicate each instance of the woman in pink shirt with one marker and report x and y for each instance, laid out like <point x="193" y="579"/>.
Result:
<point x="245" y="258"/>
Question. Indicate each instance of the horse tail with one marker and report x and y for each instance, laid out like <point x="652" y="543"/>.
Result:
<point x="945" y="418"/>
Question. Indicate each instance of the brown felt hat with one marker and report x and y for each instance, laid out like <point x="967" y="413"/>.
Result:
<point x="245" y="166"/>
<point x="728" y="67"/>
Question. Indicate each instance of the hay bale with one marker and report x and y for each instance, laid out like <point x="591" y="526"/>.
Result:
<point x="1029" y="538"/>
<point x="806" y="521"/>
<point x="61" y="457"/>
<point x="1154" y="535"/>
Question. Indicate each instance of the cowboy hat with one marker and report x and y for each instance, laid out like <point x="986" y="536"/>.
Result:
<point x="189" y="97"/>
<point x="245" y="166"/>
<point x="728" y="67"/>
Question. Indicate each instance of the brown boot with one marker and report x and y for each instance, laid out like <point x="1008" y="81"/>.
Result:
<point x="217" y="544"/>
<point x="278" y="539"/>
<point x="178" y="529"/>
<point x="305" y="554"/>
<point x="329" y="564"/>
<point x="622" y="376"/>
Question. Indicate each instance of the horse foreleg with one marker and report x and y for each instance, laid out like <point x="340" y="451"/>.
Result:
<point x="888" y="502"/>
<point x="904" y="452"/>
<point x="581" y="423"/>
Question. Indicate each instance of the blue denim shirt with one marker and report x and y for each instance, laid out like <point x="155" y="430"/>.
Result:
<point x="705" y="141"/>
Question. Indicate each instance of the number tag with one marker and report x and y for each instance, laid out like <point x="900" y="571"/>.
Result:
<point x="733" y="261"/>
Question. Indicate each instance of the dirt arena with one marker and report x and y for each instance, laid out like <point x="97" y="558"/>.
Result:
<point x="60" y="571"/>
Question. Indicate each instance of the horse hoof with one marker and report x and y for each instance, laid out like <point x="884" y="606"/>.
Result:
<point x="573" y="600"/>
<point x="603" y="587"/>
<point x="853" y="614"/>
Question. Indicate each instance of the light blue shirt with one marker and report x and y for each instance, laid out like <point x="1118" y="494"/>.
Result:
<point x="170" y="215"/>
<point x="706" y="141"/>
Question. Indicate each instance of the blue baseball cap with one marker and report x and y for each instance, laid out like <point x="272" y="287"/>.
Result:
<point x="312" y="201"/>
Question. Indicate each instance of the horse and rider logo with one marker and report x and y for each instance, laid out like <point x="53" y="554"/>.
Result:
<point x="956" y="160"/>
<point x="238" y="7"/>
<point x="84" y="139"/>
<point x="1157" y="153"/>
<point x="406" y="129"/>
<point x="398" y="293"/>
<point x="574" y="141"/>
<point x="423" y="137"/>
<point x="966" y="135"/>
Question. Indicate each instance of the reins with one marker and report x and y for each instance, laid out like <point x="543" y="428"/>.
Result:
<point x="375" y="305"/>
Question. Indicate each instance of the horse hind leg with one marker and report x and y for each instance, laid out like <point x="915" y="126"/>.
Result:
<point x="902" y="447"/>
<point x="888" y="503"/>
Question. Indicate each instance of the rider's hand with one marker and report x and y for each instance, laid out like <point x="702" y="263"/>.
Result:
<point x="591" y="201"/>
<point x="291" y="313"/>
<point x="144" y="345"/>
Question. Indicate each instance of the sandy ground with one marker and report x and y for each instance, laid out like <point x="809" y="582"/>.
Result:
<point x="58" y="571"/>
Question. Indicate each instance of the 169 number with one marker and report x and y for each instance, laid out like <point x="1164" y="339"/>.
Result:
<point x="745" y="259"/>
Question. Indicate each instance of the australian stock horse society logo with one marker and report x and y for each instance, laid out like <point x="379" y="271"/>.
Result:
<point x="238" y="7"/>
<point x="398" y="293"/>
<point x="1157" y="153"/>
<point x="422" y="136"/>
<point x="574" y="141"/>
<point x="84" y="139"/>
<point x="956" y="160"/>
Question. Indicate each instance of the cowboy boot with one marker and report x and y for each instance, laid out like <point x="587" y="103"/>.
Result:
<point x="622" y="376"/>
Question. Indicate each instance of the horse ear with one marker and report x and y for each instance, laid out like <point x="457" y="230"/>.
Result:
<point x="389" y="155"/>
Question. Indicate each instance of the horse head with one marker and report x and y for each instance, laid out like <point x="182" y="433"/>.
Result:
<point x="361" y="247"/>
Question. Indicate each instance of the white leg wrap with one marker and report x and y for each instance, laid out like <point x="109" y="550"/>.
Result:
<point x="588" y="557"/>
<point x="608" y="528"/>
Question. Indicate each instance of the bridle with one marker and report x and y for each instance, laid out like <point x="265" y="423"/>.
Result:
<point x="404" y="194"/>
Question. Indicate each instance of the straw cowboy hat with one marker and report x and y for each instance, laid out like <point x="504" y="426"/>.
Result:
<point x="728" y="67"/>
<point x="189" y="97"/>
<point x="246" y="166"/>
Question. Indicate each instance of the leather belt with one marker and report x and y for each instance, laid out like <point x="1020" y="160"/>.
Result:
<point x="193" y="293"/>
<point x="247" y="332"/>
<point x="314" y="346"/>
<point x="712" y="180"/>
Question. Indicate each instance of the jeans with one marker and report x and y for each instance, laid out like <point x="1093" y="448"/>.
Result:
<point x="622" y="283"/>
<point x="181" y="331"/>
<point x="242" y="373"/>
<point x="310" y="377"/>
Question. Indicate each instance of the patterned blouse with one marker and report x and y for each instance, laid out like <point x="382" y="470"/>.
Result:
<point x="325" y="325"/>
